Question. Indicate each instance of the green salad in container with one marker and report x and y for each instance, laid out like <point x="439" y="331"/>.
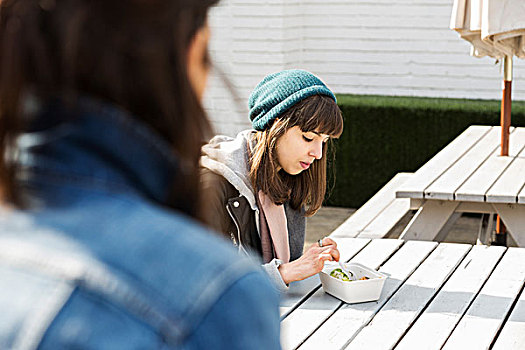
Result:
<point x="340" y="275"/>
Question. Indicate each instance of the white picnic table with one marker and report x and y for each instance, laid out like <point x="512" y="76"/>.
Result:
<point x="469" y="175"/>
<point x="438" y="295"/>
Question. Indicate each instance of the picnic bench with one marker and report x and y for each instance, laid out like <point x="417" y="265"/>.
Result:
<point x="379" y="214"/>
<point x="438" y="295"/>
<point x="469" y="175"/>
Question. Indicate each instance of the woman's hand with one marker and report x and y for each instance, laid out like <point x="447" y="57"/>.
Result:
<point x="311" y="262"/>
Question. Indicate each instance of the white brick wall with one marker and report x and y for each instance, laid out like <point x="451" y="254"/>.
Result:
<point x="383" y="47"/>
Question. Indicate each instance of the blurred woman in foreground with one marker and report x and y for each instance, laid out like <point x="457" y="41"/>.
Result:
<point x="100" y="132"/>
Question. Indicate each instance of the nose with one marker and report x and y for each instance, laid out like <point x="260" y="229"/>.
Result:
<point x="317" y="150"/>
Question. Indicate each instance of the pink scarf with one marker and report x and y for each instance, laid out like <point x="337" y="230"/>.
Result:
<point x="273" y="218"/>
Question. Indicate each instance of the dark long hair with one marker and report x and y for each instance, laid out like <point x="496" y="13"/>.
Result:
<point x="316" y="113"/>
<point x="128" y="52"/>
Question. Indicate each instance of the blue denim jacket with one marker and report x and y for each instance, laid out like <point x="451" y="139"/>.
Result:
<point x="97" y="262"/>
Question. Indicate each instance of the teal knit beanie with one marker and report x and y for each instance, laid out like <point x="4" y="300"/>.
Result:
<point x="278" y="92"/>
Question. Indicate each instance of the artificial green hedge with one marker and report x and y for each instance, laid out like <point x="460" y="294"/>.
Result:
<point x="384" y="135"/>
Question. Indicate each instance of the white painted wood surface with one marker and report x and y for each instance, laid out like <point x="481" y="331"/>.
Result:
<point x="428" y="173"/>
<point x="512" y="336"/>
<point x="521" y="196"/>
<point x="429" y="220"/>
<point x="349" y="319"/>
<point x="297" y="293"/>
<point x="478" y="184"/>
<point x="449" y="181"/>
<point x="469" y="175"/>
<point x="479" y="326"/>
<point x="439" y="319"/>
<point x="389" y="325"/>
<point x="373" y="209"/>
<point x="305" y="319"/>
<point x="384" y="222"/>
<point x="511" y="182"/>
<point x="513" y="215"/>
<point x="451" y="296"/>
<point x="302" y="321"/>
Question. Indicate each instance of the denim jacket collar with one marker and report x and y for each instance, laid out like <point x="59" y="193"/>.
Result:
<point x="101" y="144"/>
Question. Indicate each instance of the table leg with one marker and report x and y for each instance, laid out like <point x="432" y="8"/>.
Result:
<point x="486" y="225"/>
<point x="429" y="220"/>
<point x="513" y="216"/>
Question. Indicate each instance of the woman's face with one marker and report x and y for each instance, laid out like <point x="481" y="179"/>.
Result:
<point x="297" y="150"/>
<point x="197" y="61"/>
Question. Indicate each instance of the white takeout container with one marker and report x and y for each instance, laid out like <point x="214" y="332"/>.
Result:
<point x="358" y="291"/>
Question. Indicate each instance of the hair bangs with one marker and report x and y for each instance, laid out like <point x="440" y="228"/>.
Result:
<point x="319" y="113"/>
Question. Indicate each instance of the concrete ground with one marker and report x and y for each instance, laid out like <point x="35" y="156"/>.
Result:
<point x="465" y="230"/>
<point x="324" y="222"/>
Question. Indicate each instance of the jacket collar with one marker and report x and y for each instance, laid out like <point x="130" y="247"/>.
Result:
<point x="101" y="144"/>
<point x="229" y="157"/>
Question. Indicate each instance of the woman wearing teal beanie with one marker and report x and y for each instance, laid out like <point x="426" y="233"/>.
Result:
<point x="259" y="187"/>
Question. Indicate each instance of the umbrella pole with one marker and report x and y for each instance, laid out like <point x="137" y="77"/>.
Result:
<point x="506" y="104"/>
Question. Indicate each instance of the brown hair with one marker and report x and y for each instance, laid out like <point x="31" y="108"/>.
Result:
<point x="130" y="53"/>
<point x="316" y="113"/>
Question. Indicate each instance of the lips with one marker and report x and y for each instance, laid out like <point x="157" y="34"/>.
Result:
<point x="305" y="165"/>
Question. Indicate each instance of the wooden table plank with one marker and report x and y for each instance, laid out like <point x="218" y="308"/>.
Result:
<point x="371" y="209"/>
<point x="512" y="336"/>
<point x="521" y="195"/>
<point x="427" y="174"/>
<point x="389" y="325"/>
<point x="475" y="188"/>
<point x="304" y="320"/>
<point x="301" y="322"/>
<point x="298" y="291"/>
<point x="349" y="247"/>
<point x="348" y="320"/>
<point x="381" y="225"/>
<point x="435" y="324"/>
<point x="450" y="180"/>
<point x="508" y="186"/>
<point x="477" y="328"/>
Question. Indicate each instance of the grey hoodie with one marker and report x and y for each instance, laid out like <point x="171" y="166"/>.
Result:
<point x="229" y="157"/>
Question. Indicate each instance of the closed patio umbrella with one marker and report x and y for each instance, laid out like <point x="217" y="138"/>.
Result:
<point x="495" y="28"/>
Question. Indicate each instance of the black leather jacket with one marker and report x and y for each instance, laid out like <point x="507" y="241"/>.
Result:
<point x="228" y="212"/>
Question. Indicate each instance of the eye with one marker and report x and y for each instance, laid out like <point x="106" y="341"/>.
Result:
<point x="307" y="139"/>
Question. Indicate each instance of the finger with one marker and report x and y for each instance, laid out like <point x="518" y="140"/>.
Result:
<point x="326" y="257"/>
<point x="315" y="248"/>
<point x="335" y="254"/>
<point x="329" y="241"/>
<point x="328" y="249"/>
